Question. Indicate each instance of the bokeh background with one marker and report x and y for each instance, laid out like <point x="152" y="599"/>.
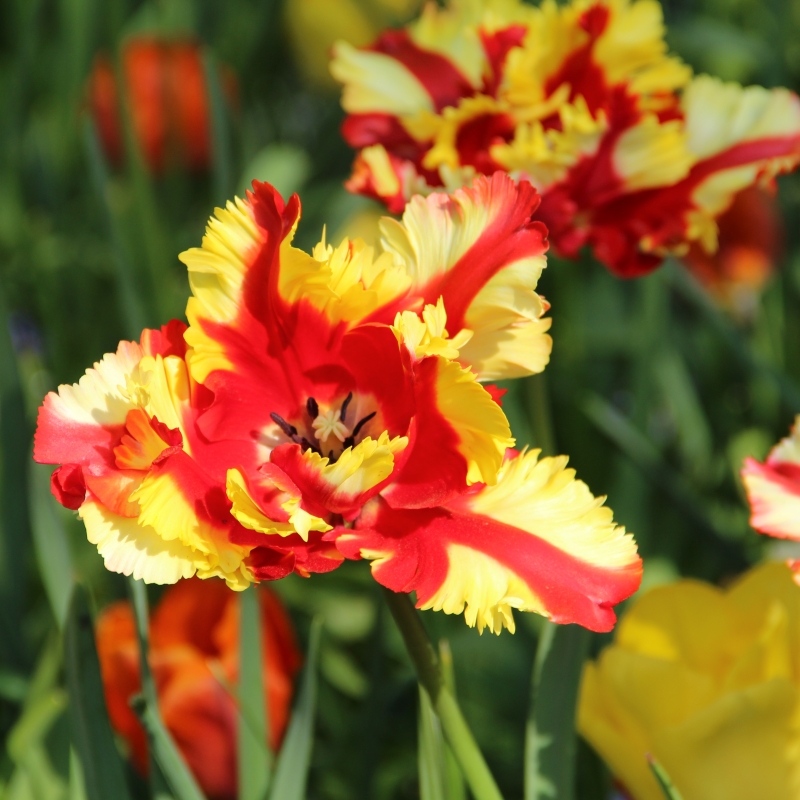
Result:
<point x="656" y="389"/>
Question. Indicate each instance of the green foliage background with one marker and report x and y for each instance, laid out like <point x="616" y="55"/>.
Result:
<point x="654" y="393"/>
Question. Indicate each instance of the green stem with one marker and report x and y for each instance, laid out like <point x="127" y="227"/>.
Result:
<point x="141" y="612"/>
<point x="540" y="414"/>
<point x="429" y="673"/>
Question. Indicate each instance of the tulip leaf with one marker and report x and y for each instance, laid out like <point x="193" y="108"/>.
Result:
<point x="550" y="739"/>
<point x="91" y="730"/>
<point x="254" y="756"/>
<point x="291" y="770"/>
<point x="663" y="779"/>
<point x="50" y="542"/>
<point x="430" y="751"/>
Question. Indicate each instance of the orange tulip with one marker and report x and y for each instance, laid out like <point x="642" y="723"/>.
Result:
<point x="169" y="103"/>
<point x="750" y="243"/>
<point x="194" y="638"/>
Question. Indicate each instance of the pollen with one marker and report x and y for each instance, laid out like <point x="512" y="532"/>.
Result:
<point x="330" y="424"/>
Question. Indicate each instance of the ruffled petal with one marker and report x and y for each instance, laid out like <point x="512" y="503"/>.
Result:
<point x="536" y="541"/>
<point x="131" y="549"/>
<point x="482" y="253"/>
<point x="773" y="488"/>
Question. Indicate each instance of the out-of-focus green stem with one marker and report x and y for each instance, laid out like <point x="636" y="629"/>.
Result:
<point x="540" y="414"/>
<point x="141" y="612"/>
<point x="167" y="765"/>
<point x="429" y="673"/>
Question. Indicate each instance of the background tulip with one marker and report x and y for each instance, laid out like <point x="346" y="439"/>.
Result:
<point x="194" y="646"/>
<point x="708" y="682"/>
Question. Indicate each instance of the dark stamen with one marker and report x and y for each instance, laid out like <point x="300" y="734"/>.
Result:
<point x="362" y="422"/>
<point x="306" y="445"/>
<point x="343" y="412"/>
<point x="330" y="456"/>
<point x="288" y="429"/>
<point x="312" y="408"/>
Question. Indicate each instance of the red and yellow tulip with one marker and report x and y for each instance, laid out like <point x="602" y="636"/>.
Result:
<point x="632" y="155"/>
<point x="773" y="489"/>
<point x="330" y="405"/>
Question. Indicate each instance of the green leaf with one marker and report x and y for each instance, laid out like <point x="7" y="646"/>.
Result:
<point x="430" y="751"/>
<point x="50" y="542"/>
<point x="169" y="759"/>
<point x="663" y="780"/>
<point x="291" y="771"/>
<point x="91" y="731"/>
<point x="550" y="739"/>
<point x="255" y="760"/>
<point x="77" y="787"/>
<point x="35" y="723"/>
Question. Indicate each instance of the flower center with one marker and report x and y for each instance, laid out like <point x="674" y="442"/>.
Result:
<point x="324" y="428"/>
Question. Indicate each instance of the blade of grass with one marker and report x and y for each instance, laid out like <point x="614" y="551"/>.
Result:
<point x="50" y="543"/>
<point x="294" y="760"/>
<point x="169" y="767"/>
<point x="91" y="731"/>
<point x="430" y="751"/>
<point x="665" y="784"/>
<point x="550" y="738"/>
<point x="253" y="755"/>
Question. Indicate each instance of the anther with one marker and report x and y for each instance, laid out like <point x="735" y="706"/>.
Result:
<point x="312" y="407"/>
<point x="288" y="429"/>
<point x="343" y="412"/>
<point x="361" y="423"/>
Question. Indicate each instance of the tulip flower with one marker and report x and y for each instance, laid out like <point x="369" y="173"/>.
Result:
<point x="168" y="100"/>
<point x="750" y="241"/>
<point x="706" y="681"/>
<point x="193" y="652"/>
<point x="314" y="25"/>
<point x="773" y="489"/>
<point x="330" y="405"/>
<point x="633" y="156"/>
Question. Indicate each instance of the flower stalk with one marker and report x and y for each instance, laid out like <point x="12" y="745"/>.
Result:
<point x="429" y="673"/>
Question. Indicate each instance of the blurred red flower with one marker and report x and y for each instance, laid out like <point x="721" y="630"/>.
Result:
<point x="194" y="635"/>
<point x="751" y="238"/>
<point x="169" y="103"/>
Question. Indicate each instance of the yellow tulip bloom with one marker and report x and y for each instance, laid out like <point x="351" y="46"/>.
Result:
<point x="708" y="682"/>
